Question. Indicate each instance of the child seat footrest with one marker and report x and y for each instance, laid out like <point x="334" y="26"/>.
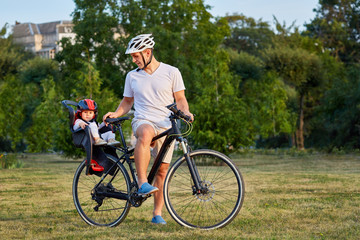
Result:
<point x="95" y="166"/>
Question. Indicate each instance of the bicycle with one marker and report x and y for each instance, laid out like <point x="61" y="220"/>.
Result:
<point x="203" y="188"/>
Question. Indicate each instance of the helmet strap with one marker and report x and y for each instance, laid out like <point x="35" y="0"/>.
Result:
<point x="146" y="64"/>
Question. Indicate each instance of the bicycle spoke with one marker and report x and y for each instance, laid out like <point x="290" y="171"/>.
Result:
<point x="222" y="197"/>
<point x="110" y="211"/>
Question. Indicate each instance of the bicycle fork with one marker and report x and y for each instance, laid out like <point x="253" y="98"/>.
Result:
<point x="197" y="188"/>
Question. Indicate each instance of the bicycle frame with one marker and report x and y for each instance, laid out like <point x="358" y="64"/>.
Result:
<point x="170" y="135"/>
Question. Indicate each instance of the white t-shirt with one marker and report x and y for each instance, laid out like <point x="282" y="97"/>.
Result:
<point x="152" y="93"/>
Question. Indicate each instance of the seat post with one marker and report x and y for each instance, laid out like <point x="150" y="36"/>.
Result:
<point x="122" y="136"/>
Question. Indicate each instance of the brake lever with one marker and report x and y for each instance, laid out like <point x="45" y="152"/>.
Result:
<point x="184" y="116"/>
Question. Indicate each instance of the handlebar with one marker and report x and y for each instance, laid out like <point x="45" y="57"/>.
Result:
<point x="172" y="107"/>
<point x="116" y="120"/>
<point x="178" y="113"/>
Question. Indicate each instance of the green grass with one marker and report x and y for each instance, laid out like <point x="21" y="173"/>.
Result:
<point x="306" y="197"/>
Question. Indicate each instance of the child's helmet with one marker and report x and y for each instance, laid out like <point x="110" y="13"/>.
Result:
<point x="87" y="104"/>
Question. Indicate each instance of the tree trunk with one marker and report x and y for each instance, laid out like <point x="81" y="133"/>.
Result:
<point x="293" y="140"/>
<point x="300" y="130"/>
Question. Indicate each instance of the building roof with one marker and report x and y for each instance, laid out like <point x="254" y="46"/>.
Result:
<point x="25" y="29"/>
<point x="48" y="28"/>
<point x="29" y="29"/>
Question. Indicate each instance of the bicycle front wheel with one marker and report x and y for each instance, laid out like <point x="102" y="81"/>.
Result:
<point x="94" y="208"/>
<point x="220" y="201"/>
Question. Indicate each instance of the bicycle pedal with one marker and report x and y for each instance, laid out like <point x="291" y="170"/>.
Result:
<point x="144" y="195"/>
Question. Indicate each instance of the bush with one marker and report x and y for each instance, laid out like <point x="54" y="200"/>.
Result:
<point x="10" y="161"/>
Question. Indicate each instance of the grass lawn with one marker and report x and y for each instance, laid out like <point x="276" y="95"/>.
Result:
<point x="309" y="197"/>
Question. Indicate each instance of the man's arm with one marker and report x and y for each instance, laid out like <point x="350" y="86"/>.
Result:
<point x="123" y="108"/>
<point x="182" y="103"/>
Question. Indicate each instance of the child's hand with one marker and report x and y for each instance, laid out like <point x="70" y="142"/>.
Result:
<point x="83" y="125"/>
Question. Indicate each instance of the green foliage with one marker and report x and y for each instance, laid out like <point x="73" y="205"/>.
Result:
<point x="337" y="25"/>
<point x="12" y="110"/>
<point x="220" y="112"/>
<point x="40" y="136"/>
<point x="338" y="116"/>
<point x="10" y="161"/>
<point x="265" y="97"/>
<point x="97" y="41"/>
<point x="244" y="81"/>
<point x="245" y="65"/>
<point x="37" y="69"/>
<point x="266" y="100"/>
<point x="3" y="30"/>
<point x="32" y="73"/>
<point x="248" y="35"/>
<point x="11" y="57"/>
<point x="298" y="67"/>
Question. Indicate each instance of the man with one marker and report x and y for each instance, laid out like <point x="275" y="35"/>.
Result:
<point x="150" y="87"/>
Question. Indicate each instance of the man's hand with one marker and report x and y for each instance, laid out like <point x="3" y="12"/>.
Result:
<point x="187" y="113"/>
<point x="109" y="115"/>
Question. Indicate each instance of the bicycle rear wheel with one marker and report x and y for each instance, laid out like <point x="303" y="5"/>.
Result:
<point x="214" y="208"/>
<point x="95" y="209"/>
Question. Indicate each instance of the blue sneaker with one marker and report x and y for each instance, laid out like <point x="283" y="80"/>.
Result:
<point x="158" y="220"/>
<point x="147" y="189"/>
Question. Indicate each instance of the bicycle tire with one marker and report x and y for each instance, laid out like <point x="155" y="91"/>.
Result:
<point x="112" y="211"/>
<point x="215" y="209"/>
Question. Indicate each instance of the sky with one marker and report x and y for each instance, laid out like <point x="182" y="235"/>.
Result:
<point x="40" y="11"/>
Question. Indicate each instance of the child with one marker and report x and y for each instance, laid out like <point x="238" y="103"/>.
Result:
<point x="86" y="116"/>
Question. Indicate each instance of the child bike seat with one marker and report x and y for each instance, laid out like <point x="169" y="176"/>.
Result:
<point x="81" y="137"/>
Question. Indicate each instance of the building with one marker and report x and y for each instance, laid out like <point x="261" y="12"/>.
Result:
<point x="43" y="38"/>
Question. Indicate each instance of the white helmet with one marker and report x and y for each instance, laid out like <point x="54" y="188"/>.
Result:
<point x="140" y="43"/>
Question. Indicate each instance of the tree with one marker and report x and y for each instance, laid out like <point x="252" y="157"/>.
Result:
<point x="267" y="106"/>
<point x="32" y="73"/>
<point x="11" y="55"/>
<point x="337" y="116"/>
<point x="11" y="92"/>
<point x="264" y="95"/>
<point x="40" y="135"/>
<point x="97" y="42"/>
<point x="248" y="35"/>
<point x="337" y="25"/>
<point x="12" y="110"/>
<point x="301" y="70"/>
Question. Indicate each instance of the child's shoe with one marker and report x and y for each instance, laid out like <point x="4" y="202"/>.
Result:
<point x="113" y="142"/>
<point x="99" y="142"/>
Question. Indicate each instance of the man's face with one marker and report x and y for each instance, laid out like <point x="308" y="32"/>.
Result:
<point x="87" y="115"/>
<point x="137" y="58"/>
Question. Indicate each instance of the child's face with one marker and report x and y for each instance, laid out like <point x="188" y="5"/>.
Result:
<point x="87" y="115"/>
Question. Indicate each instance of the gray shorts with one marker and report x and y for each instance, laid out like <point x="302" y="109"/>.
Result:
<point x="158" y="143"/>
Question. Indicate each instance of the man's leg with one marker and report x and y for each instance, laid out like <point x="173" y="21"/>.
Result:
<point x="160" y="177"/>
<point x="159" y="183"/>
<point x="144" y="134"/>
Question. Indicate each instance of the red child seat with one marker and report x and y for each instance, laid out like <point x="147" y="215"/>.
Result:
<point x="82" y="138"/>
